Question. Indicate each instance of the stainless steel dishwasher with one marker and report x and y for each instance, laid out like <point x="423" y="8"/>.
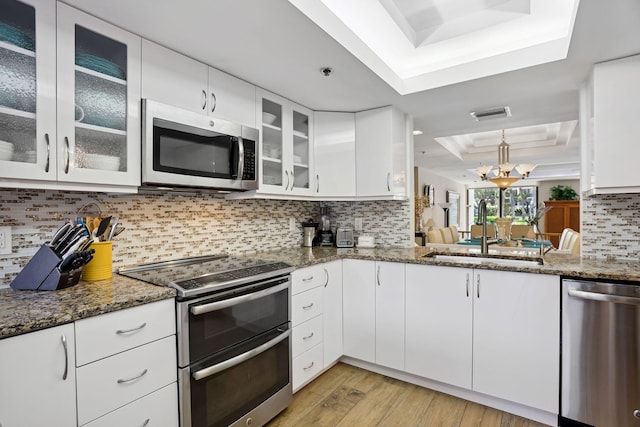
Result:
<point x="600" y="354"/>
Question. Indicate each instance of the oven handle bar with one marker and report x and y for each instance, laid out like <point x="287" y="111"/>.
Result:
<point x="207" y="372"/>
<point x="207" y="308"/>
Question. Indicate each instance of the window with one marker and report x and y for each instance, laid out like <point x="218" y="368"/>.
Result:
<point x="519" y="203"/>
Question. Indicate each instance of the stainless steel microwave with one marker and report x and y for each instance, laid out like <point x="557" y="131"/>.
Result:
<point x="181" y="148"/>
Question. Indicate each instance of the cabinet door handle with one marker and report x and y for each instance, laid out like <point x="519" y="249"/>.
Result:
<point x="306" y="368"/>
<point x="307" y="307"/>
<point x="317" y="183"/>
<point x="378" y="276"/>
<point x="128" y="380"/>
<point x="293" y="180"/>
<point x="128" y="331"/>
<point x="46" y="165"/>
<point x="146" y="422"/>
<point x="66" y="357"/>
<point x="286" y="186"/>
<point x="307" y="279"/>
<point x="68" y="151"/>
<point x="478" y="286"/>
<point x="326" y="275"/>
<point x="214" y="101"/>
<point x="308" y="337"/>
<point x="204" y="99"/>
<point x="388" y="181"/>
<point x="467" y="285"/>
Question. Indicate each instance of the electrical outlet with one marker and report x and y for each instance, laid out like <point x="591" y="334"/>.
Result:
<point x="5" y="240"/>
<point x="292" y="224"/>
<point x="358" y="224"/>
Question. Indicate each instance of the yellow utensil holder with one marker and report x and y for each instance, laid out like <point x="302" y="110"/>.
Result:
<point x="100" y="267"/>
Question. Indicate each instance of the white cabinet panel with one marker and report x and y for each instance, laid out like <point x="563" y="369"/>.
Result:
<point x="231" y="99"/>
<point x="113" y="382"/>
<point x="359" y="309"/>
<point x="173" y="79"/>
<point x="306" y="305"/>
<point x="335" y="154"/>
<point x="516" y="342"/>
<point x="332" y="312"/>
<point x="34" y="390"/>
<point x="158" y="409"/>
<point x="306" y="335"/>
<point x="112" y="333"/>
<point x="439" y="323"/>
<point x="390" y="309"/>
<point x="306" y="366"/>
<point x="307" y="278"/>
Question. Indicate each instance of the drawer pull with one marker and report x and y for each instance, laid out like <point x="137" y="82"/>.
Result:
<point x="66" y="359"/>
<point x="128" y="331"/>
<point x="146" y="422"/>
<point x="308" y="337"/>
<point x="307" y="279"/>
<point x="128" y="380"/>
<point x="307" y="307"/>
<point x="306" y="368"/>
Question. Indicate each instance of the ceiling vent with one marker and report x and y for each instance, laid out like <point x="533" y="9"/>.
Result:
<point x="494" y="113"/>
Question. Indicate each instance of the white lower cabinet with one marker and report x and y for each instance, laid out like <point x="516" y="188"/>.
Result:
<point x="373" y="310"/>
<point x="37" y="379"/>
<point x="316" y="316"/>
<point x="157" y="409"/>
<point x="494" y="332"/>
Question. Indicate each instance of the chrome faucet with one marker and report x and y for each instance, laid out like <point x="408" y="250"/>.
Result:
<point x="482" y="216"/>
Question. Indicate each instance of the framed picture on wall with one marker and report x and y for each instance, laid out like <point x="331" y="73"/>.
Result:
<point x="453" y="198"/>
<point x="430" y="192"/>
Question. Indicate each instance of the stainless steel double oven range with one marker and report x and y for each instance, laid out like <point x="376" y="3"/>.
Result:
<point x="233" y="332"/>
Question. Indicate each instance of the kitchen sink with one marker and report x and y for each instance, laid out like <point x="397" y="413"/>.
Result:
<point x="494" y="259"/>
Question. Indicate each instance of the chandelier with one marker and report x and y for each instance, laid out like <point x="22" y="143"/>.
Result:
<point x="501" y="175"/>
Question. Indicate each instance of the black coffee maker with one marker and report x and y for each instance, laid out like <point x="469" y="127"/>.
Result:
<point x="324" y="235"/>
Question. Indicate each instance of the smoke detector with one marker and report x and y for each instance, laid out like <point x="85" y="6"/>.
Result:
<point x="494" y="113"/>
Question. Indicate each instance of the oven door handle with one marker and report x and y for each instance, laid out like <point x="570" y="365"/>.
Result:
<point x="207" y="372"/>
<point x="207" y="308"/>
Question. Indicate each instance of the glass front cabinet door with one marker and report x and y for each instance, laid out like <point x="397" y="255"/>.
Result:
<point x="98" y="101"/>
<point x="27" y="89"/>
<point x="286" y="154"/>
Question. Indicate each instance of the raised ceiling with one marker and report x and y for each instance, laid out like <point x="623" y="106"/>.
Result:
<point x="417" y="45"/>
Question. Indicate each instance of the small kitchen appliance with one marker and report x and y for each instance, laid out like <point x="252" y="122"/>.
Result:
<point x="325" y="235"/>
<point x="309" y="232"/>
<point x="344" y="237"/>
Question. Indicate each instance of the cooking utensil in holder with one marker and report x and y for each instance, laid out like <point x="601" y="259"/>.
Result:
<point x="43" y="273"/>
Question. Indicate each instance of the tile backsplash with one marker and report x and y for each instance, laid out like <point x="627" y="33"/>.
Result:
<point x="610" y="226"/>
<point x="175" y="225"/>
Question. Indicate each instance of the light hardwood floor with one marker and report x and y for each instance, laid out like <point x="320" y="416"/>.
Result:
<point x="349" y="396"/>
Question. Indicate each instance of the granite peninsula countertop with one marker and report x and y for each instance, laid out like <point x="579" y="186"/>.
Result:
<point x="27" y="311"/>
<point x="24" y="311"/>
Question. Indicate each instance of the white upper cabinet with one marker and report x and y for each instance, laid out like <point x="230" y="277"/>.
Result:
<point x="382" y="153"/>
<point x="334" y="144"/>
<point x="609" y="110"/>
<point x="27" y="92"/>
<point x="286" y="146"/>
<point x="98" y="106"/>
<point x="175" y="79"/>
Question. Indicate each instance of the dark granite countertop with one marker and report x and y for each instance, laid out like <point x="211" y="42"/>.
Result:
<point x="24" y="311"/>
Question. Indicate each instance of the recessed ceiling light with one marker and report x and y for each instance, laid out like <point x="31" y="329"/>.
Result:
<point x="417" y="132"/>
<point x="494" y="113"/>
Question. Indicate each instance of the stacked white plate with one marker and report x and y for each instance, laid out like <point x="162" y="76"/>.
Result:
<point x="6" y="150"/>
<point x="102" y="162"/>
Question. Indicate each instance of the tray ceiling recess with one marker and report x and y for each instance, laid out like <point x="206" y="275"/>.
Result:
<point x="415" y="45"/>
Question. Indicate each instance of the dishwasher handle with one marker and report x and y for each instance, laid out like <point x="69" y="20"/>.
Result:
<point x="597" y="296"/>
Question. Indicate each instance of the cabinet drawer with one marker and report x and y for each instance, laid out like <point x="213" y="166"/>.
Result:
<point x="307" y="335"/>
<point x="101" y="336"/>
<point x="113" y="382"/>
<point x="308" y="278"/>
<point x="306" y="305"/>
<point x="306" y="366"/>
<point x="158" y="409"/>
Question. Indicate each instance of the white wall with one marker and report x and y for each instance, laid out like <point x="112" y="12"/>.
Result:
<point x="441" y="185"/>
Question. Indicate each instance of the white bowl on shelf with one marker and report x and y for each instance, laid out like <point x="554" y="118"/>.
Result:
<point x="268" y="118"/>
<point x="6" y="150"/>
<point x="102" y="162"/>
